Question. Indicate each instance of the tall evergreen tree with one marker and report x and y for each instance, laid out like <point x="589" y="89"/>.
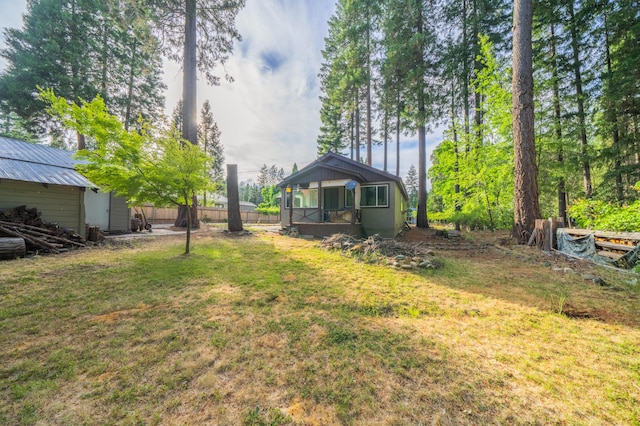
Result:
<point x="210" y="141"/>
<point x="81" y="48"/>
<point x="411" y="182"/>
<point x="393" y="71"/>
<point x="176" y="116"/>
<point x="51" y="51"/>
<point x="526" y="208"/>
<point x="419" y="54"/>
<point x="580" y="99"/>
<point x="199" y="34"/>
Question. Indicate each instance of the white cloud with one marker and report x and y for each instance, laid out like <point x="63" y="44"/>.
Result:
<point x="270" y="113"/>
<point x="11" y="17"/>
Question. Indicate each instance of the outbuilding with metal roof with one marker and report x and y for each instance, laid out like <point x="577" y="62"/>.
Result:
<point x="44" y="177"/>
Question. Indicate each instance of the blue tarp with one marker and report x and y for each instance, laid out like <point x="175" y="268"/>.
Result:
<point x="585" y="248"/>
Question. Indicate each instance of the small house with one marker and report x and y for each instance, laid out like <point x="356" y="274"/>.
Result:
<point x="337" y="195"/>
<point x="44" y="177"/>
<point x="221" y="202"/>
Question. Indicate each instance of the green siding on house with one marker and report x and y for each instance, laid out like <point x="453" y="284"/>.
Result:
<point x="119" y="214"/>
<point x="383" y="220"/>
<point x="59" y="204"/>
<point x="400" y="215"/>
<point x="333" y="170"/>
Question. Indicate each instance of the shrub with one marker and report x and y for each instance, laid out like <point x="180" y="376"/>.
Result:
<point x="270" y="210"/>
<point x="596" y="214"/>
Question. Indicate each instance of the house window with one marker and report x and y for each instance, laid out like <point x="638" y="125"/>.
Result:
<point x="303" y="199"/>
<point x="374" y="196"/>
<point x="348" y="198"/>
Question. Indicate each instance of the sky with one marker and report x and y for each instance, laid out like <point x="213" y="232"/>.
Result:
<point x="270" y="114"/>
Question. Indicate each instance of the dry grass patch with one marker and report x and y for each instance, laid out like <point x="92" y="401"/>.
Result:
<point x="272" y="330"/>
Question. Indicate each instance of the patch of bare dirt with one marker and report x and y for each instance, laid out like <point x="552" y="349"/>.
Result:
<point x="596" y="293"/>
<point x="116" y="315"/>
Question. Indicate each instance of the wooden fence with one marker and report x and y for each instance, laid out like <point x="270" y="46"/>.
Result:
<point x="207" y="214"/>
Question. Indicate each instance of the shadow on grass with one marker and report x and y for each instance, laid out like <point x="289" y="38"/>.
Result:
<point x="533" y="281"/>
<point x="239" y="328"/>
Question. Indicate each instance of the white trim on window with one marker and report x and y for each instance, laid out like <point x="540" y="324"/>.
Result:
<point x="372" y="196"/>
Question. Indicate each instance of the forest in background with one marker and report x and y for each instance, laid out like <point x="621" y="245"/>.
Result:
<point x="83" y="49"/>
<point x="391" y="68"/>
<point x="403" y="67"/>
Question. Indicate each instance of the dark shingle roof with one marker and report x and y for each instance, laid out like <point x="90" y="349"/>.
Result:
<point x="341" y="164"/>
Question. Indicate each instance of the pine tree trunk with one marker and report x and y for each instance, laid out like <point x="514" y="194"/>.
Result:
<point x="613" y="116"/>
<point x="351" y="133"/>
<point x="357" y="125"/>
<point x="189" y="107"/>
<point x="103" y="61"/>
<point x="526" y="208"/>
<point x="456" y="164"/>
<point x="182" y="221"/>
<point x="233" y="199"/>
<point x="132" y="69"/>
<point x="562" y="196"/>
<point x="422" y="221"/>
<point x="398" y="112"/>
<point x="465" y="70"/>
<point x="82" y="144"/>
<point x="477" y="67"/>
<point x="369" y="153"/>
<point x="188" y="216"/>
<point x="386" y="137"/>
<point x="586" y="166"/>
<point x="189" y="79"/>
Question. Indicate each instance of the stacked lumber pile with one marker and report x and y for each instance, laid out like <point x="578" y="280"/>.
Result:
<point x="612" y="245"/>
<point x="21" y="222"/>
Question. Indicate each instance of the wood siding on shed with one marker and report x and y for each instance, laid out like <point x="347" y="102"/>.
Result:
<point x="119" y="214"/>
<point x="59" y="204"/>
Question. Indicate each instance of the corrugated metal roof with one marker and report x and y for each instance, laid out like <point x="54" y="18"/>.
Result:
<point x="30" y="162"/>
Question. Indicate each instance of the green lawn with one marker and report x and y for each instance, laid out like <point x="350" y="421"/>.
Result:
<point x="268" y="330"/>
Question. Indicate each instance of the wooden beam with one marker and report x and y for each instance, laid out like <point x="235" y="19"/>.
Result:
<point x="609" y="254"/>
<point x="631" y="236"/>
<point x="614" y="246"/>
<point x="320" y="212"/>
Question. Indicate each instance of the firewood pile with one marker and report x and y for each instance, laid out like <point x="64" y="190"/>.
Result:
<point x="395" y="253"/>
<point x="612" y="245"/>
<point x="21" y="222"/>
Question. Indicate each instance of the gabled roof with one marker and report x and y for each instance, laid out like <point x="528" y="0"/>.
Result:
<point x="224" y="200"/>
<point x="341" y="167"/>
<point x="28" y="162"/>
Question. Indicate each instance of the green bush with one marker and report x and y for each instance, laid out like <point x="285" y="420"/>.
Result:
<point x="596" y="214"/>
<point x="476" y="218"/>
<point x="270" y="210"/>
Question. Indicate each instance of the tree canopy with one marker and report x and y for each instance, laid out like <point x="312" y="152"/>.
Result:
<point x="146" y="165"/>
<point x="81" y="48"/>
<point x="448" y="65"/>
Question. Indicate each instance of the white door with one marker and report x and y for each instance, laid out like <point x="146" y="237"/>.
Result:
<point x="96" y="206"/>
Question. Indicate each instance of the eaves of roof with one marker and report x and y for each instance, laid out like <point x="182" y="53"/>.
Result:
<point x="41" y="173"/>
<point x="27" y="162"/>
<point x="322" y="162"/>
